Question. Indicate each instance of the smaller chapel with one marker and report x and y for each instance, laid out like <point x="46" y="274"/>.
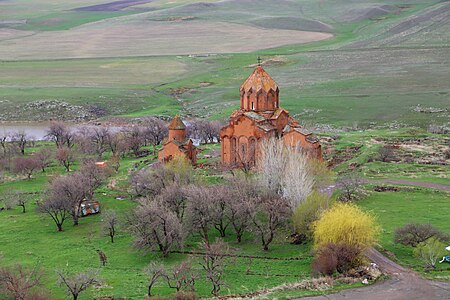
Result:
<point x="177" y="143"/>
<point x="260" y="116"/>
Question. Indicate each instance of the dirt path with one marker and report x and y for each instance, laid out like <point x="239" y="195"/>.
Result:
<point x="445" y="187"/>
<point x="403" y="284"/>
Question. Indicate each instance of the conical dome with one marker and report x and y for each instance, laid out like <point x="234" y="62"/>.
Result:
<point x="258" y="80"/>
<point x="177" y="124"/>
<point x="259" y="92"/>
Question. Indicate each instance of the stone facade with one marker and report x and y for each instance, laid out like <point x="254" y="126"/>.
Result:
<point x="177" y="143"/>
<point x="260" y="117"/>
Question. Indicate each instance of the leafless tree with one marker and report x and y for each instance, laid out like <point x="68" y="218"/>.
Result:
<point x="93" y="177"/>
<point x="117" y="144"/>
<point x="77" y="283"/>
<point x="272" y="213"/>
<point x="154" y="271"/>
<point x="156" y="227"/>
<point x="242" y="205"/>
<point x="66" y="157"/>
<point x="73" y="190"/>
<point x="174" y="197"/>
<point x="57" y="208"/>
<point x="25" y="165"/>
<point x="60" y="134"/>
<point x="214" y="262"/>
<point x="44" y="157"/>
<point x="9" y="199"/>
<point x="17" y="282"/>
<point x="285" y="171"/>
<point x="20" y="139"/>
<point x="220" y="208"/>
<point x="16" y="198"/>
<point x="182" y="277"/>
<point x="4" y="138"/>
<point x="151" y="181"/>
<point x="386" y="153"/>
<point x="204" y="130"/>
<point x="134" y="139"/>
<point x="110" y="224"/>
<point x="154" y="131"/>
<point x="100" y="136"/>
<point x="349" y="184"/>
<point x="199" y="210"/>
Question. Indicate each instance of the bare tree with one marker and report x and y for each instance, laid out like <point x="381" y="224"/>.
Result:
<point x="20" y="139"/>
<point x="156" y="227"/>
<point x="241" y="205"/>
<point x="285" y="171"/>
<point x="182" y="277"/>
<point x="220" y="208"/>
<point x="57" y="208"/>
<point x="93" y="176"/>
<point x="60" y="134"/>
<point x="199" y="210"/>
<point x="66" y="157"/>
<point x="110" y="224"/>
<point x="214" y="262"/>
<point x="78" y="283"/>
<point x="100" y="136"/>
<point x="154" y="271"/>
<point x="174" y="197"/>
<point x="134" y="139"/>
<point x="17" y="282"/>
<point x="154" y="131"/>
<point x="44" y="157"/>
<point x="204" y="130"/>
<point x="386" y="153"/>
<point x="272" y="213"/>
<point x="25" y="165"/>
<point x="9" y="199"/>
<point x="4" y="138"/>
<point x="349" y="184"/>
<point x="20" y="199"/>
<point x="151" y="181"/>
<point x="117" y="144"/>
<point x="73" y="190"/>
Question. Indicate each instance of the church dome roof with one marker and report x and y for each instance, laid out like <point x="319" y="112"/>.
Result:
<point x="177" y="124"/>
<point x="259" y="80"/>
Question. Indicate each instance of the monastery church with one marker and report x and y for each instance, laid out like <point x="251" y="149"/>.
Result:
<point x="259" y="117"/>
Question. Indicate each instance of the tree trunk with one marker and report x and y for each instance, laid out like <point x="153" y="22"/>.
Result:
<point x="59" y="227"/>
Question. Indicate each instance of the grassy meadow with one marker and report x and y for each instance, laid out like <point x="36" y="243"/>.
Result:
<point x="374" y="71"/>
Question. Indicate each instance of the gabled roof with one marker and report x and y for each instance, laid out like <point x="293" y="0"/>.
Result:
<point x="254" y="116"/>
<point x="177" y="124"/>
<point x="278" y="112"/>
<point x="266" y="127"/>
<point x="303" y="131"/>
<point x="259" y="80"/>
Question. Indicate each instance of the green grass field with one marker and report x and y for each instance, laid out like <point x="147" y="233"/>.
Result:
<point x="395" y="209"/>
<point x="373" y="72"/>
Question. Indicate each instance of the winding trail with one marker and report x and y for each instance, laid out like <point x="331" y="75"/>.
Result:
<point x="439" y="186"/>
<point x="403" y="284"/>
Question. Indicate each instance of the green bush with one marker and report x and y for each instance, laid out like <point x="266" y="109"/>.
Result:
<point x="429" y="252"/>
<point x="309" y="211"/>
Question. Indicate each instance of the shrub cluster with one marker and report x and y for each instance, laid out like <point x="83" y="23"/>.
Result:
<point x="332" y="258"/>
<point x="412" y="234"/>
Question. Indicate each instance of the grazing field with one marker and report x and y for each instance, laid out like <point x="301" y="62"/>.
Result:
<point x="409" y="205"/>
<point x="383" y="60"/>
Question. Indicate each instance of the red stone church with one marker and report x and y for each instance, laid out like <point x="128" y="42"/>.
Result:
<point x="259" y="117"/>
<point x="177" y="143"/>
